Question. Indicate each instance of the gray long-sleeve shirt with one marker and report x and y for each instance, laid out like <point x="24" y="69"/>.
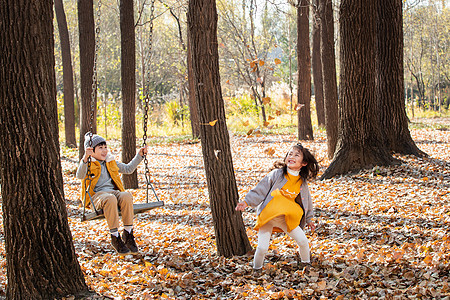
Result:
<point x="105" y="182"/>
<point x="261" y="194"/>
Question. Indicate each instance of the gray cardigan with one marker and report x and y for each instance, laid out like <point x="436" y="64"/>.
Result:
<point x="260" y="195"/>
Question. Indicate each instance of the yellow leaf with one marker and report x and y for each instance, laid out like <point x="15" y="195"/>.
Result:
<point x="261" y="63"/>
<point x="428" y="259"/>
<point x="278" y="112"/>
<point x="266" y="124"/>
<point x="245" y="123"/>
<point x="277" y="61"/>
<point x="270" y="118"/>
<point x="250" y="132"/>
<point x="228" y="81"/>
<point x="212" y="123"/>
<point x="340" y="297"/>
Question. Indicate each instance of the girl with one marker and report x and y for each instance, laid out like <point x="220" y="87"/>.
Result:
<point x="283" y="202"/>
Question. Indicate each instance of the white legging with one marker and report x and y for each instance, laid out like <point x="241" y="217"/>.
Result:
<point x="265" y="233"/>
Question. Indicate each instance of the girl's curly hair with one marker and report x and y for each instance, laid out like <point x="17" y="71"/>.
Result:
<point x="306" y="172"/>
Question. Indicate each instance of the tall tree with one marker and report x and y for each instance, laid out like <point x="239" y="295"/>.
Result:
<point x="390" y="79"/>
<point x="305" y="131"/>
<point x="317" y="65"/>
<point x="40" y="257"/>
<point x="328" y="59"/>
<point x="87" y="54"/>
<point x="360" y="139"/>
<point x="128" y="72"/>
<point x="69" y="107"/>
<point x="231" y="238"/>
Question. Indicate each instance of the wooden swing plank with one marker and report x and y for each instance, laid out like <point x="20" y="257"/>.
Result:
<point x="137" y="208"/>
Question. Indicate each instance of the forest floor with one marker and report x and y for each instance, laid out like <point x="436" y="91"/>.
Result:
<point x="383" y="233"/>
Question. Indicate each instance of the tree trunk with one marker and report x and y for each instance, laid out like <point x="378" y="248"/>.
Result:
<point x="69" y="109"/>
<point x="330" y="92"/>
<point x="128" y="73"/>
<point x="317" y="67"/>
<point x="390" y="80"/>
<point x="305" y="131"/>
<point x="195" y="124"/>
<point x="231" y="237"/>
<point x="40" y="258"/>
<point x="87" y="51"/>
<point x="360" y="142"/>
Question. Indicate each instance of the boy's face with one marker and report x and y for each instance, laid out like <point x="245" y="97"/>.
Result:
<point x="100" y="152"/>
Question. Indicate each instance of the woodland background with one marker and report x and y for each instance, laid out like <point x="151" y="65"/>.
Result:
<point x="383" y="231"/>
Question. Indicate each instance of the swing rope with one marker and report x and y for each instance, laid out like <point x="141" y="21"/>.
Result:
<point x="88" y="181"/>
<point x="146" y="102"/>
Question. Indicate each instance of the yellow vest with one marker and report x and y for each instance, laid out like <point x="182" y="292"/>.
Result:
<point x="96" y="170"/>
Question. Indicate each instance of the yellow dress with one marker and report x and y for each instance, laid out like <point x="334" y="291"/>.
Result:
<point x="283" y="203"/>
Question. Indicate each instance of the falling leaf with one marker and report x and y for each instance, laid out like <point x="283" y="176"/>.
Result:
<point x="266" y="100"/>
<point x="298" y="106"/>
<point x="261" y="63"/>
<point x="269" y="151"/>
<point x="212" y="123"/>
<point x="222" y="45"/>
<point x="270" y="118"/>
<point x="277" y="61"/>
<point x="245" y="123"/>
<point x="266" y="124"/>
<point x="228" y="81"/>
<point x="216" y="153"/>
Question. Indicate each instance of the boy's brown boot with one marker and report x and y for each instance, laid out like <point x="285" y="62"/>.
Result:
<point x="119" y="245"/>
<point x="130" y="243"/>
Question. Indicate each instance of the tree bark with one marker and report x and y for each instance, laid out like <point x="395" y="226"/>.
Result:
<point x="128" y="73"/>
<point x="360" y="142"/>
<point x="317" y="66"/>
<point x="390" y="79"/>
<point x="40" y="258"/>
<point x="231" y="237"/>
<point x="305" y="131"/>
<point x="87" y="52"/>
<point x="69" y="108"/>
<point x="195" y="124"/>
<point x="330" y="91"/>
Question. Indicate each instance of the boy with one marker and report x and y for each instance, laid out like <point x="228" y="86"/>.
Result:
<point x="107" y="190"/>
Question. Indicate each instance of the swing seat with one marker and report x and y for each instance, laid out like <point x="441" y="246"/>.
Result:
<point x="137" y="208"/>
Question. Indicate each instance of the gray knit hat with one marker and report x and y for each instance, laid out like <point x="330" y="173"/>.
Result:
<point x="96" y="139"/>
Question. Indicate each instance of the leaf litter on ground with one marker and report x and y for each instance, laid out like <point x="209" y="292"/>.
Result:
<point x="383" y="233"/>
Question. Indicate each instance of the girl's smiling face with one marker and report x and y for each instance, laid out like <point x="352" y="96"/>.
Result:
<point x="294" y="159"/>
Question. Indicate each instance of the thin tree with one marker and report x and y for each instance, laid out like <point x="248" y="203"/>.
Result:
<point x="360" y="144"/>
<point x="87" y="53"/>
<point x="128" y="73"/>
<point x="40" y="257"/>
<point x="69" y="108"/>
<point x="328" y="59"/>
<point x="195" y="124"/>
<point x="317" y="65"/>
<point x="390" y="79"/>
<point x="305" y="131"/>
<point x="231" y="238"/>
